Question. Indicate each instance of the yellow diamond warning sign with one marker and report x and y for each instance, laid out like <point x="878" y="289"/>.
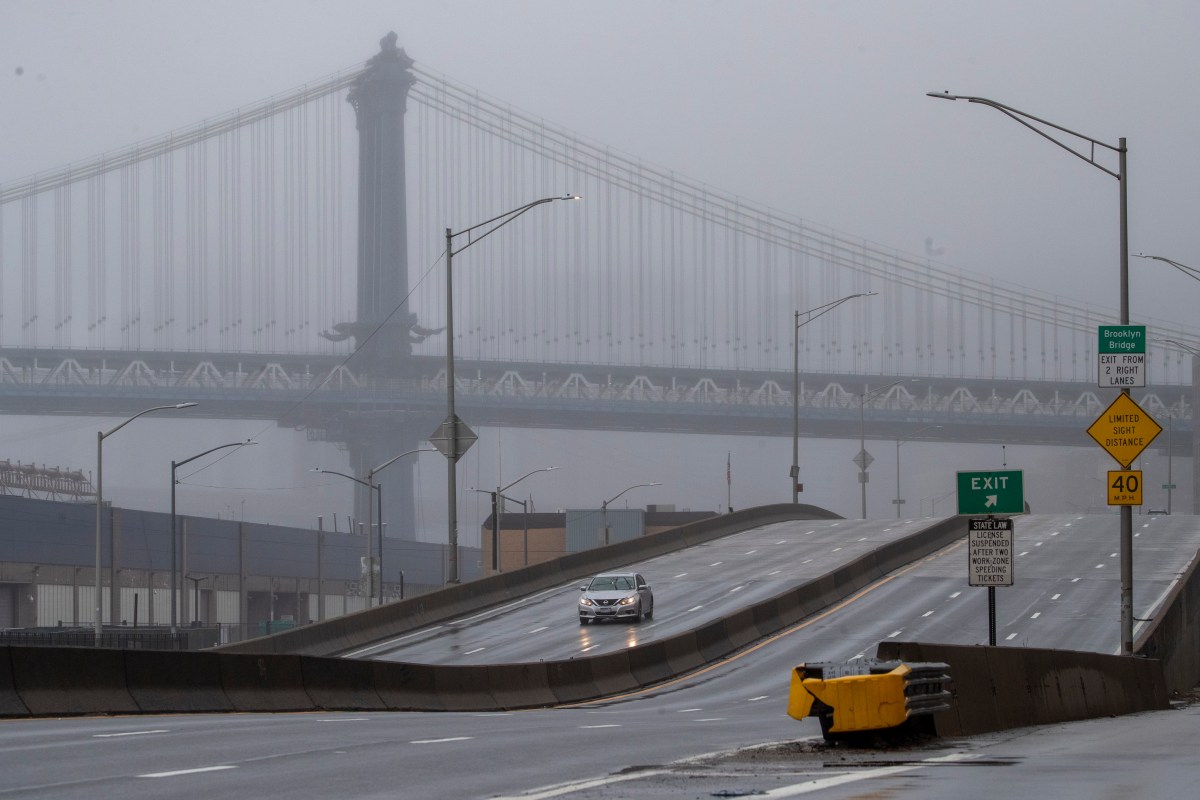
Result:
<point x="1124" y="430"/>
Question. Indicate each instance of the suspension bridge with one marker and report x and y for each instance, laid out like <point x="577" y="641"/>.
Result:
<point x="284" y="262"/>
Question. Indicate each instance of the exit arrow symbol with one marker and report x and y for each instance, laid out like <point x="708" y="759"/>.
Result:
<point x="991" y="501"/>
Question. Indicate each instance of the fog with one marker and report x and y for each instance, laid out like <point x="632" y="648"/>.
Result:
<point x="817" y="109"/>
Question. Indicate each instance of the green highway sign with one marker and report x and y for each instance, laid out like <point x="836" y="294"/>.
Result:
<point x="1121" y="356"/>
<point x="995" y="492"/>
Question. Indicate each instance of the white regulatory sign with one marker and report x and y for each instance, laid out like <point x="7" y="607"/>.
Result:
<point x="990" y="551"/>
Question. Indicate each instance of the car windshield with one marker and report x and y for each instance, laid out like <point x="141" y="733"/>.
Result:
<point x="611" y="583"/>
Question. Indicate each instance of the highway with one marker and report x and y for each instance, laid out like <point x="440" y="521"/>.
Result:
<point x="691" y="587"/>
<point x="643" y="745"/>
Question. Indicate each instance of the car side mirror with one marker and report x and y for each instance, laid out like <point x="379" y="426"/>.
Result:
<point x="646" y="587"/>
<point x="583" y="588"/>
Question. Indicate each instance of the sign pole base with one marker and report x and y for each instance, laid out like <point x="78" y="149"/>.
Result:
<point x="992" y="615"/>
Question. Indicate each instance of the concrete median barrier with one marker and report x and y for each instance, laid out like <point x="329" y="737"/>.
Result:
<point x="520" y="685"/>
<point x="407" y="687"/>
<point x="10" y="701"/>
<point x="649" y="663"/>
<point x="264" y="682"/>
<point x="170" y="681"/>
<point x="1173" y="636"/>
<point x="997" y="688"/>
<point x="462" y="687"/>
<point x="340" y="684"/>
<point x="65" y="681"/>
<point x="571" y="681"/>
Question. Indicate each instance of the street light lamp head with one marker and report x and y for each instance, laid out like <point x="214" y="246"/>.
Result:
<point x="186" y="405"/>
<point x="571" y="197"/>
<point x="944" y="95"/>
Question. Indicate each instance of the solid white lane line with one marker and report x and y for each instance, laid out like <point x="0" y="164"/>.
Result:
<point x="563" y="789"/>
<point x="440" y="741"/>
<point x="476" y="650"/>
<point x="710" y="719"/>
<point x="175" y="772"/>
<point x="346" y="719"/>
<point x="688" y="710"/>
<point x="594" y="727"/>
<point x="127" y="733"/>
<point x="539" y="630"/>
<point x="820" y="784"/>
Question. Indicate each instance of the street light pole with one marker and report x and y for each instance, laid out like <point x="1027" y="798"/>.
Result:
<point x="174" y="535"/>
<point x="450" y="426"/>
<point x="604" y="505"/>
<point x="862" y="458"/>
<point x="1122" y="176"/>
<point x="824" y="309"/>
<point x="100" y="437"/>
<point x="496" y="498"/>
<point x="379" y="506"/>
<point x="899" y="441"/>
<point x="370" y="488"/>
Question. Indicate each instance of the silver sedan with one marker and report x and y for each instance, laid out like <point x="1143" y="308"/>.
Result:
<point x="616" y="595"/>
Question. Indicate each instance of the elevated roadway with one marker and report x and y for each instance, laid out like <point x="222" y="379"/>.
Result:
<point x="652" y="743"/>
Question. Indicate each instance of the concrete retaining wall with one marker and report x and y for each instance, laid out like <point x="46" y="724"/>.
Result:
<point x="996" y="688"/>
<point x="1173" y="637"/>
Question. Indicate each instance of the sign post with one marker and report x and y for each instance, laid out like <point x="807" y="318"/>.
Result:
<point x="1121" y="353"/>
<point x="990" y="560"/>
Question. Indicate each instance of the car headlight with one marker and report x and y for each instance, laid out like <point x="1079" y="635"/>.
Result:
<point x="583" y="601"/>
<point x="628" y="601"/>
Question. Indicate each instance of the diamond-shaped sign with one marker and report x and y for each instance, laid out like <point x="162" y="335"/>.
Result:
<point x="1124" y="430"/>
<point x="864" y="459"/>
<point x="463" y="436"/>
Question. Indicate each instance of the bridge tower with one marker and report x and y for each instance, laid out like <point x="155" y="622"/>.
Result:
<point x="384" y="330"/>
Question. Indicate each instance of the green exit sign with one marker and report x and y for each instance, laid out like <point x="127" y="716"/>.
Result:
<point x="996" y="492"/>
<point x="1121" y="339"/>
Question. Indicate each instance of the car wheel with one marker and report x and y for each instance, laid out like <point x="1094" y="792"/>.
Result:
<point x="641" y="615"/>
<point x="650" y="613"/>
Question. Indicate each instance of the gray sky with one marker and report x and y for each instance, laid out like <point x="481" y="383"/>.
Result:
<point x="814" y="108"/>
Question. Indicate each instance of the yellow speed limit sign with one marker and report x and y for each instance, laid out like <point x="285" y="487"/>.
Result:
<point x="1125" y="487"/>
